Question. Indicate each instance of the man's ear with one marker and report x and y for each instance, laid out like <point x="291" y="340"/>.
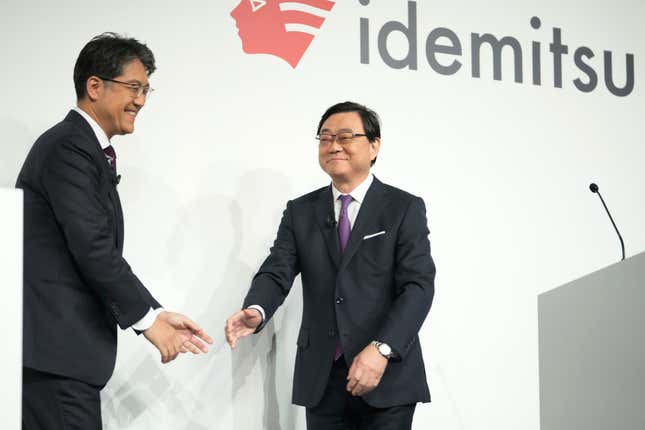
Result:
<point x="94" y="88"/>
<point x="374" y="148"/>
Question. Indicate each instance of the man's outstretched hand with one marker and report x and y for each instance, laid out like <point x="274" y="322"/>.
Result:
<point x="174" y="333"/>
<point x="241" y="324"/>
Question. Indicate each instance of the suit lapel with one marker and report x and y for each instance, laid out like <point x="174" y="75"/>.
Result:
<point x="93" y="147"/>
<point x="374" y="203"/>
<point x="325" y="218"/>
<point x="114" y="195"/>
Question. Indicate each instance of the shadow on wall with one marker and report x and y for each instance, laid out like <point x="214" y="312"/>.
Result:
<point x="198" y="393"/>
<point x="16" y="143"/>
<point x="259" y="192"/>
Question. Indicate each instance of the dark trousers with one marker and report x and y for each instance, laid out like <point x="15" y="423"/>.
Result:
<point x="339" y="410"/>
<point x="51" y="402"/>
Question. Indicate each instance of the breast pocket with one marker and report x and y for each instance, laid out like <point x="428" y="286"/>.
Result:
<point x="377" y="251"/>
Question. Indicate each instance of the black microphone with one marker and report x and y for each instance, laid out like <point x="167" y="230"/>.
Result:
<point x="116" y="180"/>
<point x="331" y="221"/>
<point x="594" y="189"/>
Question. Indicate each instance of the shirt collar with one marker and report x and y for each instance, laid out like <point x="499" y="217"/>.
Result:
<point x="98" y="131"/>
<point x="358" y="194"/>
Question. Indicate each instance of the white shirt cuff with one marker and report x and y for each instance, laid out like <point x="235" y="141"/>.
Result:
<point x="259" y="309"/>
<point x="148" y="320"/>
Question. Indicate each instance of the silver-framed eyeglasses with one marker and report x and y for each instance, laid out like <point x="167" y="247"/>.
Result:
<point x="135" y="88"/>
<point x="344" y="137"/>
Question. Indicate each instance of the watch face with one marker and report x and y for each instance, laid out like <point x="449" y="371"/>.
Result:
<point x="385" y="349"/>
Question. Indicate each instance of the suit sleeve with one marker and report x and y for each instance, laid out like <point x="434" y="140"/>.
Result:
<point x="414" y="281"/>
<point x="272" y="283"/>
<point x="72" y="183"/>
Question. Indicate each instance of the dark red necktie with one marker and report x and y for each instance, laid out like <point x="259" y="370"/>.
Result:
<point x="110" y="154"/>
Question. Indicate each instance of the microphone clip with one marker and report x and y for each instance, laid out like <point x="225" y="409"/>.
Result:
<point x="331" y="221"/>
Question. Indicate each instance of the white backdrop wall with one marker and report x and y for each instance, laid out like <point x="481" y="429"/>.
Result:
<point x="227" y="139"/>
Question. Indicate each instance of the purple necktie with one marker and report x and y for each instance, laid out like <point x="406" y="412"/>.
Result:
<point x="110" y="154"/>
<point x="344" y="229"/>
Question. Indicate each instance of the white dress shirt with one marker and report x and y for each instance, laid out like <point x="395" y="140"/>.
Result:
<point x="149" y="318"/>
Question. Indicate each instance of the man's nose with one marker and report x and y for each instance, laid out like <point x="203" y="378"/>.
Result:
<point x="334" y="146"/>
<point x="139" y="100"/>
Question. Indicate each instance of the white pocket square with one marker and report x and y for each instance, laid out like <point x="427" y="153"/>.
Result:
<point x="369" y="236"/>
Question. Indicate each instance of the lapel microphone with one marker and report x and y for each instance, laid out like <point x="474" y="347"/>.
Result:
<point x="594" y="189"/>
<point x="116" y="180"/>
<point x="331" y="221"/>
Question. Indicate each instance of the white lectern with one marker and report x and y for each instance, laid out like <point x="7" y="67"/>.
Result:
<point x="11" y="307"/>
<point x="592" y="351"/>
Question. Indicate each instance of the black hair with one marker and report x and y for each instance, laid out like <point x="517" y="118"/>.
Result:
<point x="106" y="55"/>
<point x="370" y="119"/>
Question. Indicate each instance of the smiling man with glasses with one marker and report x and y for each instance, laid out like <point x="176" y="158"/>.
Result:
<point x="77" y="285"/>
<point x="368" y="283"/>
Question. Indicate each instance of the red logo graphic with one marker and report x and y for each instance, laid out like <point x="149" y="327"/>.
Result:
<point x="274" y="26"/>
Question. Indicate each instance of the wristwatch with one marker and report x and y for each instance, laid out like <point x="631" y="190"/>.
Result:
<point x="383" y="348"/>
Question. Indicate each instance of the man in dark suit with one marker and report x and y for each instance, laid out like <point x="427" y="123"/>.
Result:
<point x="362" y="249"/>
<point x="77" y="285"/>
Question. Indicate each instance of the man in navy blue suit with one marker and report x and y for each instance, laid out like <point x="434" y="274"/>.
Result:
<point x="362" y="249"/>
<point x="77" y="285"/>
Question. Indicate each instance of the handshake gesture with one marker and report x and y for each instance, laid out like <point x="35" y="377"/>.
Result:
<point x="174" y="333"/>
<point x="242" y="324"/>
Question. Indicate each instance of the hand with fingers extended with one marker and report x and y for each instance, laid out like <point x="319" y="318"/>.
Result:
<point x="193" y="335"/>
<point x="366" y="371"/>
<point x="174" y="333"/>
<point x="241" y="324"/>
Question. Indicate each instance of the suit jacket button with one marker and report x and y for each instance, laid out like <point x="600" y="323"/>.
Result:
<point x="339" y="300"/>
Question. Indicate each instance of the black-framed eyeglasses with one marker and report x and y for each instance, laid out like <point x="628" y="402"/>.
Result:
<point x="344" y="137"/>
<point x="135" y="88"/>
